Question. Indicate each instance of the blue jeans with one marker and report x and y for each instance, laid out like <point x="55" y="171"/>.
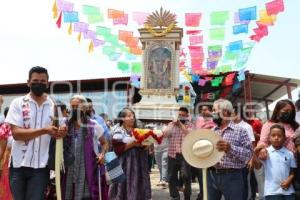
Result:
<point x="161" y="159"/>
<point x="280" y="197"/>
<point x="229" y="184"/>
<point x="28" y="183"/>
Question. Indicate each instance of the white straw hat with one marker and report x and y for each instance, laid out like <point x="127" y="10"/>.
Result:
<point x="199" y="148"/>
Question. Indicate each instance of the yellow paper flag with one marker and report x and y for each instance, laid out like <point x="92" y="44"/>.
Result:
<point x="54" y="10"/>
<point x="266" y="19"/>
<point x="79" y="37"/>
<point x="70" y="29"/>
<point x="91" y="47"/>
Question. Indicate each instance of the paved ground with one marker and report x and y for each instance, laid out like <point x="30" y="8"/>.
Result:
<point x="163" y="194"/>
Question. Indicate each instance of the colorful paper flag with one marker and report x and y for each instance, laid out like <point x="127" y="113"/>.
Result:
<point x="91" y="47"/>
<point x="70" y="17"/>
<point x="266" y="19"/>
<point x="242" y="28"/>
<point x="96" y="18"/>
<point x="235" y="46"/>
<point x="219" y="18"/>
<point x="101" y="30"/>
<point x="54" y="10"/>
<point x="192" y="19"/>
<point x="80" y="27"/>
<point x="123" y="66"/>
<point x="125" y="35"/>
<point x="193" y="32"/>
<point x="202" y="82"/>
<point x="247" y="14"/>
<point x="229" y="79"/>
<point x="237" y="19"/>
<point x="140" y="17"/>
<point x="136" y="67"/>
<point x="121" y="21"/>
<point x="275" y="7"/>
<point x="90" y="10"/>
<point x="217" y="34"/>
<point x="90" y="35"/>
<point x="58" y="22"/>
<point x="196" y="39"/>
<point x="216" y="81"/>
<point x="114" y="14"/>
<point x="65" y="6"/>
<point x="98" y="42"/>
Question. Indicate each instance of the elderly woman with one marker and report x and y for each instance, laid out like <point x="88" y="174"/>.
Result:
<point x="80" y="180"/>
<point x="133" y="159"/>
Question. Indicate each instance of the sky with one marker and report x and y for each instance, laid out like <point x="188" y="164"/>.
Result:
<point x="29" y="37"/>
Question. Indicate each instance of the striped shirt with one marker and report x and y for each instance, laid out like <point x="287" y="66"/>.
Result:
<point x="176" y="136"/>
<point x="241" y="147"/>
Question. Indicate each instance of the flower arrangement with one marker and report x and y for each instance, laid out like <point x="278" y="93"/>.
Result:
<point x="147" y="136"/>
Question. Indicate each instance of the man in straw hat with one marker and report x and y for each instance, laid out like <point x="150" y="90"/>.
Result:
<point x="226" y="177"/>
<point x="176" y="131"/>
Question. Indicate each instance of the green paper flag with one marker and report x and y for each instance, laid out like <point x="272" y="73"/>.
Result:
<point x="90" y="10"/>
<point x="114" y="39"/>
<point x="101" y="30"/>
<point x="217" y="34"/>
<point x="93" y="19"/>
<point x="215" y="48"/>
<point x="229" y="55"/>
<point x="225" y="68"/>
<point x="219" y="18"/>
<point x="216" y="81"/>
<point x="108" y="50"/>
<point x="123" y="66"/>
<point x="136" y="68"/>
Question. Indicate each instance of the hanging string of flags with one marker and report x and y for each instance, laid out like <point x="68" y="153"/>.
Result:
<point x="221" y="48"/>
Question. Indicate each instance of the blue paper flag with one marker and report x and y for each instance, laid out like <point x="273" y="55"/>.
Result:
<point x="247" y="14"/>
<point x="236" y="86"/>
<point x="241" y="76"/>
<point x="235" y="46"/>
<point x="195" y="78"/>
<point x="242" y="28"/>
<point x="70" y="17"/>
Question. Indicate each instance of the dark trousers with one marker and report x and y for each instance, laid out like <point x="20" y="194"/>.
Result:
<point x="245" y="180"/>
<point x="280" y="197"/>
<point x="253" y="184"/>
<point x="229" y="184"/>
<point x="28" y="183"/>
<point x="176" y="165"/>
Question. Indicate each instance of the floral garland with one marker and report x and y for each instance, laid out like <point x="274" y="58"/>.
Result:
<point x="155" y="34"/>
<point x="142" y="134"/>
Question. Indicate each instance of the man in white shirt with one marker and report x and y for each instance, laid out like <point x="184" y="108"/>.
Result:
<point x="30" y="118"/>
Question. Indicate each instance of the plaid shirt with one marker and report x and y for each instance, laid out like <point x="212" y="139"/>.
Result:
<point x="241" y="147"/>
<point x="176" y="136"/>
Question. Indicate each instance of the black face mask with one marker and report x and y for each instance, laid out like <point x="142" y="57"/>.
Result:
<point x="217" y="119"/>
<point x="183" y="121"/>
<point x="285" y="116"/>
<point x="38" y="89"/>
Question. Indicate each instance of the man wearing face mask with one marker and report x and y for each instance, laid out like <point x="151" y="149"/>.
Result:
<point x="176" y="131"/>
<point x="30" y="118"/>
<point x="238" y="151"/>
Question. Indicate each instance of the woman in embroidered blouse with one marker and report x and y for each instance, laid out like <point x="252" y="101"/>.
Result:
<point x="5" y="137"/>
<point x="284" y="113"/>
<point x="133" y="159"/>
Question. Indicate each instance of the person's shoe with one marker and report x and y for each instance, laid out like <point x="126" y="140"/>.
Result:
<point x="164" y="185"/>
<point x="159" y="183"/>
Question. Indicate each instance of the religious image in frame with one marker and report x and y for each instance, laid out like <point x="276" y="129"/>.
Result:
<point x="159" y="69"/>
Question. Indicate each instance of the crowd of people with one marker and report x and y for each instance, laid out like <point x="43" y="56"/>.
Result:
<point x="258" y="157"/>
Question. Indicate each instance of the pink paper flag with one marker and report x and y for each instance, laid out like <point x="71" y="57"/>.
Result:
<point x="121" y="21"/>
<point x="65" y="6"/>
<point x="275" y="7"/>
<point x="140" y="17"/>
<point x="193" y="32"/>
<point x="197" y="39"/>
<point x="202" y="82"/>
<point x="192" y="19"/>
<point x="97" y="42"/>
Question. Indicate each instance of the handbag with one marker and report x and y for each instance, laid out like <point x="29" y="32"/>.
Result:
<point x="113" y="170"/>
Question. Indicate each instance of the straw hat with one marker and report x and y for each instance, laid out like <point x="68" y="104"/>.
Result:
<point x="199" y="148"/>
